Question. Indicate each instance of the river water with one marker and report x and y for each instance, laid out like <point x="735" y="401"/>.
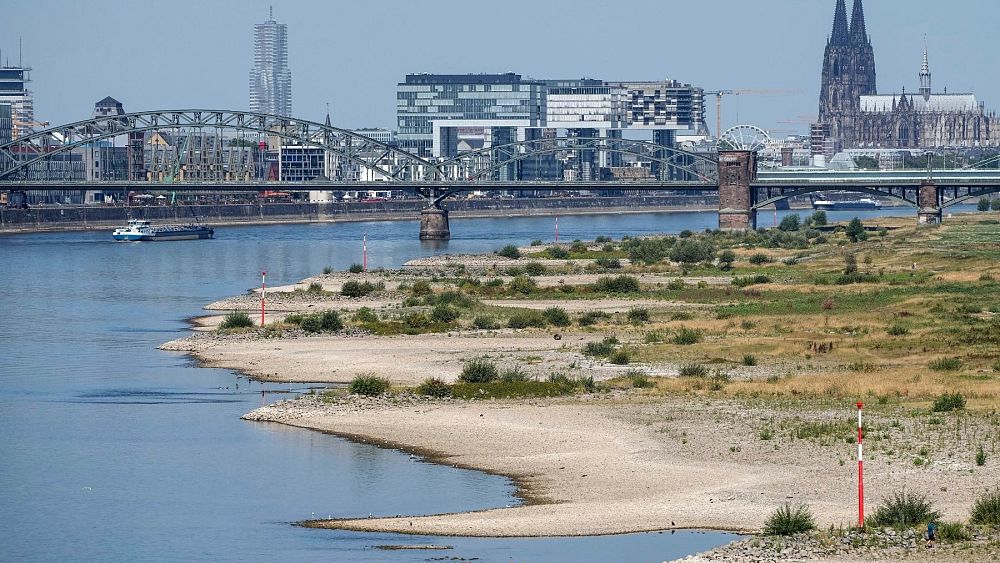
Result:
<point x="115" y="451"/>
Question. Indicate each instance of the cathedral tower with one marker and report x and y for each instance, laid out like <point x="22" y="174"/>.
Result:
<point x="848" y="74"/>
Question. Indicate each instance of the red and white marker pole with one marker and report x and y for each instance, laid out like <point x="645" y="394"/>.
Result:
<point x="263" y="288"/>
<point x="364" y="252"/>
<point x="557" y="230"/>
<point x="861" y="472"/>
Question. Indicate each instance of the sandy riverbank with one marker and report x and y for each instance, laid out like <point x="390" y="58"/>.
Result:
<point x="720" y="449"/>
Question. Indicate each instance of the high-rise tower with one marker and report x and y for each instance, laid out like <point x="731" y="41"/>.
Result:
<point x="270" y="78"/>
<point x="848" y="74"/>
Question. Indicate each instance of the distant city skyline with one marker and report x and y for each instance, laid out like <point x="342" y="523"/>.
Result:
<point x="351" y="55"/>
<point x="270" y="77"/>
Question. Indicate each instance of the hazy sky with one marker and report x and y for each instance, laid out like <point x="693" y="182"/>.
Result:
<point x="197" y="54"/>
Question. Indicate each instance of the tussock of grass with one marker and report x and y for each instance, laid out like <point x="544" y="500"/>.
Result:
<point x="788" y="520"/>
<point x="904" y="508"/>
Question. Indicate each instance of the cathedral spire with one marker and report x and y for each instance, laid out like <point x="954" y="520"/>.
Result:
<point x="925" y="75"/>
<point x="841" y="33"/>
<point x="858" y="31"/>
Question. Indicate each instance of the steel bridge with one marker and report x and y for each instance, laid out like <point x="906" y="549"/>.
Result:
<point x="229" y="139"/>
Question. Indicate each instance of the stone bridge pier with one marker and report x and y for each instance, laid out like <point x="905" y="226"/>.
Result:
<point x="929" y="204"/>
<point x="737" y="170"/>
<point x="434" y="224"/>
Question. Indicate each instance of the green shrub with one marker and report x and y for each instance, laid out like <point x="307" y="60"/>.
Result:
<point x="638" y="315"/>
<point x="953" y="532"/>
<point x="648" y="250"/>
<point x="444" y="314"/>
<point x="578" y="247"/>
<point x="692" y="370"/>
<point x="485" y="322"/>
<point x="691" y="251"/>
<point x="525" y="319"/>
<point x="355" y="288"/>
<point x="421" y="288"/>
<point x="681" y="316"/>
<point x="591" y="317"/>
<point x="749" y="360"/>
<point x="434" y="387"/>
<point x="509" y="251"/>
<point x="726" y="259"/>
<point x="904" y="508"/>
<point x="311" y="324"/>
<point x="620" y="357"/>
<point x="523" y="285"/>
<point x="945" y="364"/>
<point x="983" y="204"/>
<point x="789" y="520"/>
<point x="676" y="284"/>
<point x="356" y="269"/>
<point x="558" y="252"/>
<point x="479" y="370"/>
<point x="949" y="402"/>
<point x="608" y="263"/>
<point x="790" y="223"/>
<point x="514" y="374"/>
<point x="535" y="269"/>
<point x="617" y="284"/>
<point x="759" y="258"/>
<point x="329" y="321"/>
<point x="315" y="287"/>
<point x="328" y="270"/>
<point x="986" y="510"/>
<point x="980" y="456"/>
<point x="856" y="230"/>
<point x="417" y="321"/>
<point x="897" y="330"/>
<point x="687" y="336"/>
<point x="744" y="281"/>
<point x="236" y="319"/>
<point x="365" y="315"/>
<point x="601" y="239"/>
<point x="557" y="316"/>
<point x="639" y="379"/>
<point x="536" y="242"/>
<point x="369" y="385"/>
<point x="818" y="218"/>
<point x="602" y="348"/>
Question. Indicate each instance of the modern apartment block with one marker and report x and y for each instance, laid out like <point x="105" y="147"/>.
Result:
<point x="441" y="115"/>
<point x="270" y="77"/>
<point x="6" y="123"/>
<point x="431" y="108"/>
<point x="14" y="91"/>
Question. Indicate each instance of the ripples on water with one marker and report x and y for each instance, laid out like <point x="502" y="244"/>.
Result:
<point x="115" y="451"/>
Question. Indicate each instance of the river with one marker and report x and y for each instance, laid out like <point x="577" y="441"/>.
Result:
<point x="115" y="451"/>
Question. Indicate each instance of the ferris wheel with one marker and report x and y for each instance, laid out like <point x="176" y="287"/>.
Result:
<point x="744" y="138"/>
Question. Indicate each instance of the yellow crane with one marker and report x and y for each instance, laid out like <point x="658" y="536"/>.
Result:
<point x="743" y="92"/>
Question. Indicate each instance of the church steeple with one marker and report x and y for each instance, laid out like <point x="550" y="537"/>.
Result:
<point x="858" y="32"/>
<point x="925" y="76"/>
<point x="841" y="33"/>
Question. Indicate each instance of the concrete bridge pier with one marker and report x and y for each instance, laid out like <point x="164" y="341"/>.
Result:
<point x="929" y="204"/>
<point x="737" y="169"/>
<point x="434" y="224"/>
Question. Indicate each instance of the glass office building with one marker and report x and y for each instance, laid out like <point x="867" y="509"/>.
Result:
<point x="448" y="102"/>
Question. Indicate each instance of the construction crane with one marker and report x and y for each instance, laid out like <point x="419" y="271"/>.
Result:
<point x="742" y="92"/>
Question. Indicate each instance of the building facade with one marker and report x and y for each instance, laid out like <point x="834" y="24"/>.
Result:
<point x="6" y="123"/>
<point x="270" y="77"/>
<point x="431" y="108"/>
<point x="853" y="115"/>
<point x="14" y="91"/>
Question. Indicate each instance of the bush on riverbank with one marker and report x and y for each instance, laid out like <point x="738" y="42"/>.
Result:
<point x="236" y="319"/>
<point x="434" y="387"/>
<point x="479" y="370"/>
<point x="355" y="288"/>
<point x="617" y="284"/>
<point x="369" y="385"/>
<point x="904" y="508"/>
<point x="789" y="520"/>
<point x="986" y="511"/>
<point x="325" y="321"/>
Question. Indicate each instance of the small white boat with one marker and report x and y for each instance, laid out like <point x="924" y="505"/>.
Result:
<point x="142" y="230"/>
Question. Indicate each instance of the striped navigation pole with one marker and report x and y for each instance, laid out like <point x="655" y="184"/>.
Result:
<point x="263" y="288"/>
<point x="861" y="473"/>
<point x="364" y="253"/>
<point x="557" y="230"/>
